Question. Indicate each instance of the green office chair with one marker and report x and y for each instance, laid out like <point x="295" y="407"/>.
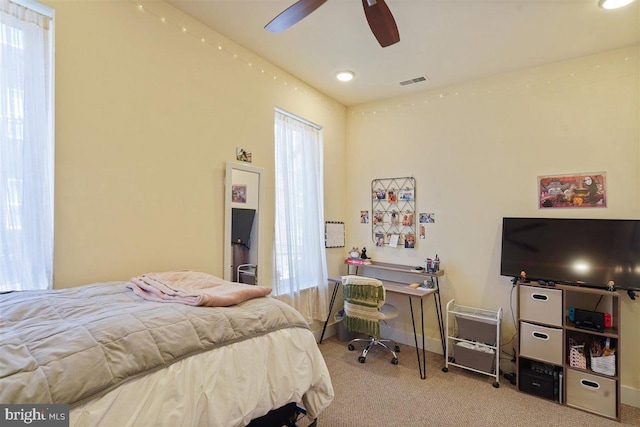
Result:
<point x="365" y="308"/>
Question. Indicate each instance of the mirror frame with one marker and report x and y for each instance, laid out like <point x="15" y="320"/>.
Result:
<point x="230" y="167"/>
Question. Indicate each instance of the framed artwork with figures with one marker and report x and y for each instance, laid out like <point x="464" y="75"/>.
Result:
<point x="583" y="190"/>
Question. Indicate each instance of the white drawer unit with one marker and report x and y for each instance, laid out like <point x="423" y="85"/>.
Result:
<point x="541" y="343"/>
<point x="592" y="393"/>
<point x="541" y="305"/>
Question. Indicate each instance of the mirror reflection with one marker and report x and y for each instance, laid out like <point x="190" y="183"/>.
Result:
<point x="241" y="222"/>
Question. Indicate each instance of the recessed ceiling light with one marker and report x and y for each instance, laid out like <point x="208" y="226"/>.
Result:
<point x="345" y="76"/>
<point x="613" y="4"/>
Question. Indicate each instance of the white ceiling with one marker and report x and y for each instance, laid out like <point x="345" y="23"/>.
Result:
<point x="448" y="41"/>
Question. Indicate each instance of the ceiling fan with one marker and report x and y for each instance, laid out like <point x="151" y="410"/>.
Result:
<point x="378" y="15"/>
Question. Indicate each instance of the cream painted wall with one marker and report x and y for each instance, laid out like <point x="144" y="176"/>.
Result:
<point x="146" y="117"/>
<point x="476" y="150"/>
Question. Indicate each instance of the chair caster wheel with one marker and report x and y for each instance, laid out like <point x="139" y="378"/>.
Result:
<point x="397" y="349"/>
<point x="445" y="369"/>
<point x="394" y="361"/>
<point x="361" y="359"/>
<point x="496" y="384"/>
<point x="351" y="347"/>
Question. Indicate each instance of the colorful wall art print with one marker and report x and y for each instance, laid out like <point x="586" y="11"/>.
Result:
<point x="587" y="190"/>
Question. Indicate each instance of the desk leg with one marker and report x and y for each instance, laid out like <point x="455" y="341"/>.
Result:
<point x="422" y="366"/>
<point x="438" y="304"/>
<point x="333" y="299"/>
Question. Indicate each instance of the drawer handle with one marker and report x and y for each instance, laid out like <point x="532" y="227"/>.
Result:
<point x="540" y="335"/>
<point x="540" y="297"/>
<point x="591" y="385"/>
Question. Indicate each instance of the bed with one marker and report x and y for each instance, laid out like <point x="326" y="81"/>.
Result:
<point x="119" y="359"/>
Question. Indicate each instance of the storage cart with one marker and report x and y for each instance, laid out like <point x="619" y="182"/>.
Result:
<point x="473" y="340"/>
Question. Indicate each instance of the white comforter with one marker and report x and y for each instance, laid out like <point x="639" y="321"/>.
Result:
<point x="225" y="387"/>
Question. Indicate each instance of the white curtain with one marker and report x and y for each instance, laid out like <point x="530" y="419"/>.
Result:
<point x="300" y="265"/>
<point x="26" y="149"/>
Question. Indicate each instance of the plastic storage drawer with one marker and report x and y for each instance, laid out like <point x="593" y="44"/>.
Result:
<point x="591" y="393"/>
<point x="475" y="359"/>
<point x="541" y="305"/>
<point x="474" y="329"/>
<point x="541" y="343"/>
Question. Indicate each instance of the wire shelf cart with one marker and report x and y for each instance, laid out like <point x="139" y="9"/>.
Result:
<point x="473" y="340"/>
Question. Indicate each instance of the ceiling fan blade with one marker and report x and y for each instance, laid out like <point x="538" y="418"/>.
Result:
<point x="294" y="13"/>
<point x="381" y="22"/>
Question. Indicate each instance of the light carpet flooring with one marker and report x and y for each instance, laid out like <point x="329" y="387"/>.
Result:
<point x="378" y="393"/>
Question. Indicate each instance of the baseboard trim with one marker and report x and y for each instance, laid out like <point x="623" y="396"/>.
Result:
<point x="401" y="337"/>
<point x="630" y="396"/>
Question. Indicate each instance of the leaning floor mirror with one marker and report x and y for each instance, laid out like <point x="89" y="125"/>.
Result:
<point x="242" y="222"/>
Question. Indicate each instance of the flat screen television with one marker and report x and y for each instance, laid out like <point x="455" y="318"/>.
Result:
<point x="241" y="225"/>
<point x="587" y="252"/>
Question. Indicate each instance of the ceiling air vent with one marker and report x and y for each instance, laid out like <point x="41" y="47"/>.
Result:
<point x="412" y="81"/>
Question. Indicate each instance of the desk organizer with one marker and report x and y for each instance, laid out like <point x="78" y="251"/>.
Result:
<point x="577" y="358"/>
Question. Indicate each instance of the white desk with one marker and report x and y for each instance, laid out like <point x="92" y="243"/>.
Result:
<point x="401" y="288"/>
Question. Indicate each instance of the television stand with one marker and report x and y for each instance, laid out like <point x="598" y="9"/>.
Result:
<point x="549" y="336"/>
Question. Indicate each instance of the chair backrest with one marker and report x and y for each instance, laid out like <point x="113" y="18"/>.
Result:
<point x="363" y="298"/>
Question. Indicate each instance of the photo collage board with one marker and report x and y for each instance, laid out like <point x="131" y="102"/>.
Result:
<point x="393" y="203"/>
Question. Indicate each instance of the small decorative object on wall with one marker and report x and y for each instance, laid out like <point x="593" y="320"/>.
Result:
<point x="427" y="218"/>
<point x="409" y="240"/>
<point x="587" y="190"/>
<point x="364" y="217"/>
<point x="334" y="234"/>
<point x="393" y="210"/>
<point x="378" y="217"/>
<point x="239" y="193"/>
<point x="422" y="231"/>
<point x="392" y="197"/>
<point x="242" y="155"/>
<point x="406" y="194"/>
<point x="379" y="194"/>
<point x="407" y="218"/>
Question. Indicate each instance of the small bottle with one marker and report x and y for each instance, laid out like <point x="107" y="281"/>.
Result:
<point x="436" y="264"/>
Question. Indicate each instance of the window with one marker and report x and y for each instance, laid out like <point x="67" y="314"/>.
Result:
<point x="300" y="266"/>
<point x="26" y="145"/>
